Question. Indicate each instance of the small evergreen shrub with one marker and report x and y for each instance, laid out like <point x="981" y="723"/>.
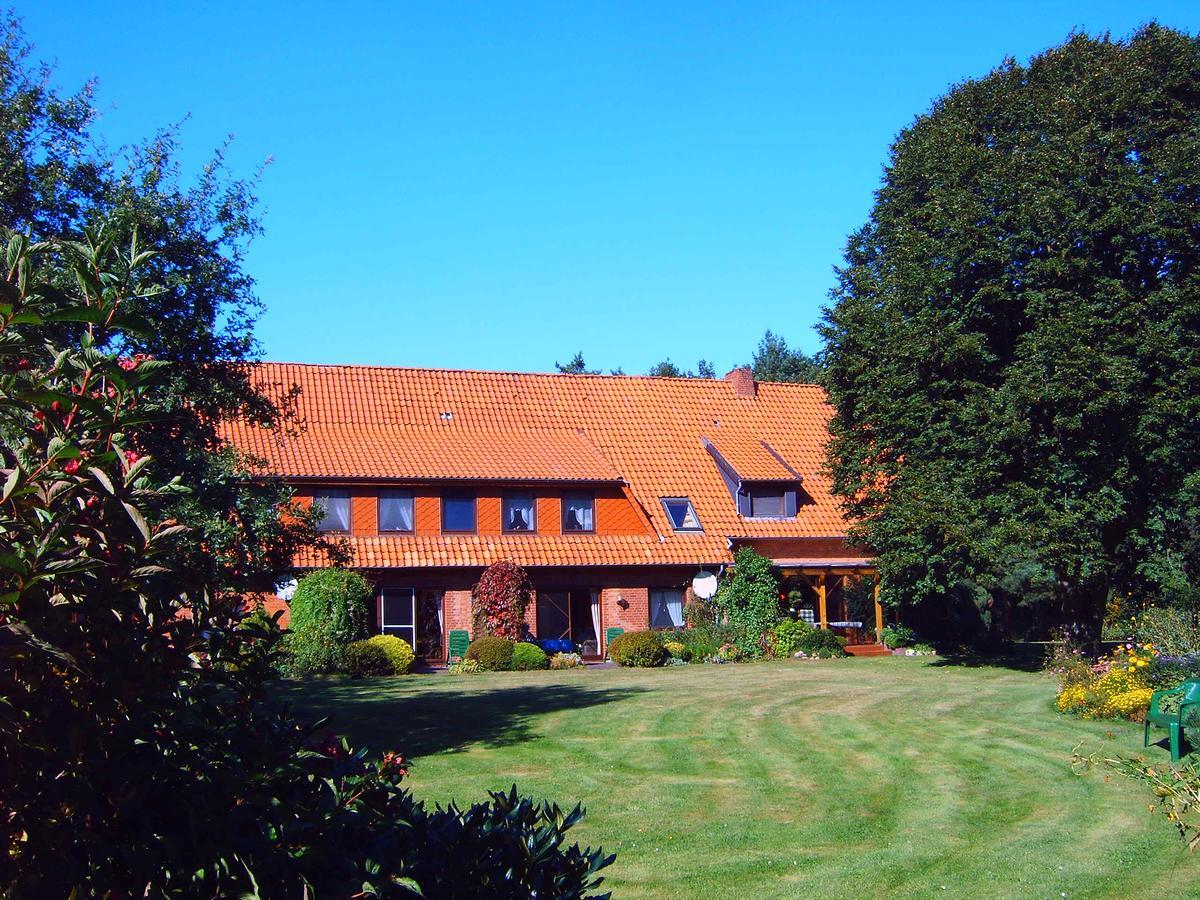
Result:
<point x="896" y="637"/>
<point x="329" y="611"/>
<point x="527" y="657"/>
<point x="364" y="659"/>
<point x="638" y="650"/>
<point x="703" y="642"/>
<point x="566" y="661"/>
<point x="399" y="654"/>
<point x="494" y="654"/>
<point x="791" y="635"/>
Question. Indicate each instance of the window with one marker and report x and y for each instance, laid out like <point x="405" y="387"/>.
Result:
<point x="768" y="502"/>
<point x="579" y="512"/>
<point x="681" y="513"/>
<point x="666" y="608"/>
<point x="520" y="512"/>
<point x="336" y="507"/>
<point x="395" y="511"/>
<point x="458" y="512"/>
<point x="397" y="614"/>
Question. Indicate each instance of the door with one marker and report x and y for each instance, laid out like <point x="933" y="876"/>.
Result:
<point x="398" y="614"/>
<point x="569" y="615"/>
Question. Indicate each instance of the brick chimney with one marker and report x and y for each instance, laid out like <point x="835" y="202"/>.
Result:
<point x="742" y="380"/>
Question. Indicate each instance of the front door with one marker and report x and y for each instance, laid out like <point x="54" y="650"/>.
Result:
<point x="413" y="616"/>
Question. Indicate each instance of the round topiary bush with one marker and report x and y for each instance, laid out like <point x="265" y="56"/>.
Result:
<point x="494" y="654"/>
<point x="527" y="657"/>
<point x="399" y="654"/>
<point x="637" y="649"/>
<point x="363" y="659"/>
<point x="328" y="611"/>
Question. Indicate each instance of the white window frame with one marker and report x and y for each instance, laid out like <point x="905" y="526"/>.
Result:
<point x="404" y="632"/>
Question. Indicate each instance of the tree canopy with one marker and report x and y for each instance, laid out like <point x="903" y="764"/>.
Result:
<point x="774" y="360"/>
<point x="668" y="369"/>
<point x="1013" y="346"/>
<point x="56" y="180"/>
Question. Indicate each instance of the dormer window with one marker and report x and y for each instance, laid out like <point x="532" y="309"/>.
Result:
<point x="396" y="511"/>
<point x="335" y="509"/>
<point x="681" y="513"/>
<point x="579" y="512"/>
<point x="769" y="501"/>
<point x="520" y="512"/>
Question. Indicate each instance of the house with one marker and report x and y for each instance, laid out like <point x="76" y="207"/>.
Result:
<point x="614" y="492"/>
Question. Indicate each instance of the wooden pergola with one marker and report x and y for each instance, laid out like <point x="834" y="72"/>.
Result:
<point x="818" y="575"/>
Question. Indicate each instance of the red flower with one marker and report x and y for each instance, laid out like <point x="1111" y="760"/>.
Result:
<point x="71" y="466"/>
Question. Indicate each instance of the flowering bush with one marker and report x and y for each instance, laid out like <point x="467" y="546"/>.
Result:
<point x="678" y="651"/>
<point x="1172" y="631"/>
<point x="1117" y="686"/>
<point x="499" y="600"/>
<point x="464" y="667"/>
<point x="566" y="661"/>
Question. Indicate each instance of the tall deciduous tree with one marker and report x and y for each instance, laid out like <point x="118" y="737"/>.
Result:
<point x="56" y="179"/>
<point x="1013" y="347"/>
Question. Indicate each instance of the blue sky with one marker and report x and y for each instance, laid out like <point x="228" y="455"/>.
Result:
<point x="499" y="185"/>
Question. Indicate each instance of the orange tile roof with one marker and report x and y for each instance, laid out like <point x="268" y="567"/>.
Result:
<point x="753" y="458"/>
<point x="439" y="452"/>
<point x="647" y="431"/>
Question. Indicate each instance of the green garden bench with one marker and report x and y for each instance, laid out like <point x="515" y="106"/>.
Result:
<point x="460" y="640"/>
<point x="1169" y="709"/>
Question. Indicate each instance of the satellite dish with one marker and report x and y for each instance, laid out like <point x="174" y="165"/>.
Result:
<point x="704" y="585"/>
<point x="286" y="589"/>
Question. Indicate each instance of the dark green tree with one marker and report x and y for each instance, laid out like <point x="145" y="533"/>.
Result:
<point x="56" y="179"/>
<point x="576" y="366"/>
<point x="1013" y="347"/>
<point x="774" y="360"/>
<point x="668" y="369"/>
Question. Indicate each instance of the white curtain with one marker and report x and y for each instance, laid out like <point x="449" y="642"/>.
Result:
<point x="675" y="607"/>
<point x="336" y="506"/>
<point x="396" y="512"/>
<point x="596" y="617"/>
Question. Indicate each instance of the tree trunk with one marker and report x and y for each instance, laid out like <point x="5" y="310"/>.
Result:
<point x="1084" y="605"/>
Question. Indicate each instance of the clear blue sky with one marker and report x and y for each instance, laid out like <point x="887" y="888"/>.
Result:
<point x="497" y="185"/>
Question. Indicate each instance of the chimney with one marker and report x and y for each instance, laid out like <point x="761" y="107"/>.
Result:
<point x="742" y="380"/>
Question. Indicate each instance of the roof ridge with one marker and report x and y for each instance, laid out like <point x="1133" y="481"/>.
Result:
<point x="446" y="370"/>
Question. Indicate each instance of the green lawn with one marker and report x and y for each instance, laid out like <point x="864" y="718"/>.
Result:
<point x="858" y="777"/>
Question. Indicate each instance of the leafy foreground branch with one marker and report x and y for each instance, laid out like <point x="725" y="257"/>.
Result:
<point x="141" y="754"/>
<point x="1175" y="788"/>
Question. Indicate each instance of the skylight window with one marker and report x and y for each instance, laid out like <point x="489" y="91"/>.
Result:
<point x="681" y="513"/>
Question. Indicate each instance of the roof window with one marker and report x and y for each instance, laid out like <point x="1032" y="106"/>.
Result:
<point x="681" y="513"/>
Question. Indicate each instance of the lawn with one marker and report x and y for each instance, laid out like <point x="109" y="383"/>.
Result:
<point x="859" y="777"/>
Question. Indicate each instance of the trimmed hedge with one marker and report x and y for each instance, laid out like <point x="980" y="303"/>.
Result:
<point x="494" y="654"/>
<point x="638" y="650"/>
<point x="384" y="654"/>
<point x="527" y="657"/>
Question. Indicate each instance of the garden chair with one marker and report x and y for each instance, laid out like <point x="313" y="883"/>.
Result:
<point x="460" y="640"/>
<point x="1168" y="709"/>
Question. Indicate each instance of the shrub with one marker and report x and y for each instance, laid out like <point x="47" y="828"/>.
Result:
<point x="678" y="651"/>
<point x="499" y="600"/>
<point x="637" y="649"/>
<point x="329" y="611"/>
<point x="790" y="635"/>
<point x="1115" y="687"/>
<point x="699" y="613"/>
<point x="527" y="657"/>
<point x="494" y="654"/>
<point x="896" y="637"/>
<point x="1171" y="631"/>
<point x="728" y="653"/>
<point x="566" y="661"/>
<point x="362" y="658"/>
<point x="704" y="642"/>
<point x="397" y="650"/>
<point x="749" y="598"/>
<point x="465" y="667"/>
<point x="823" y="643"/>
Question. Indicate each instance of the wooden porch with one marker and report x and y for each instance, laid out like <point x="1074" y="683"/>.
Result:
<point x="828" y="581"/>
